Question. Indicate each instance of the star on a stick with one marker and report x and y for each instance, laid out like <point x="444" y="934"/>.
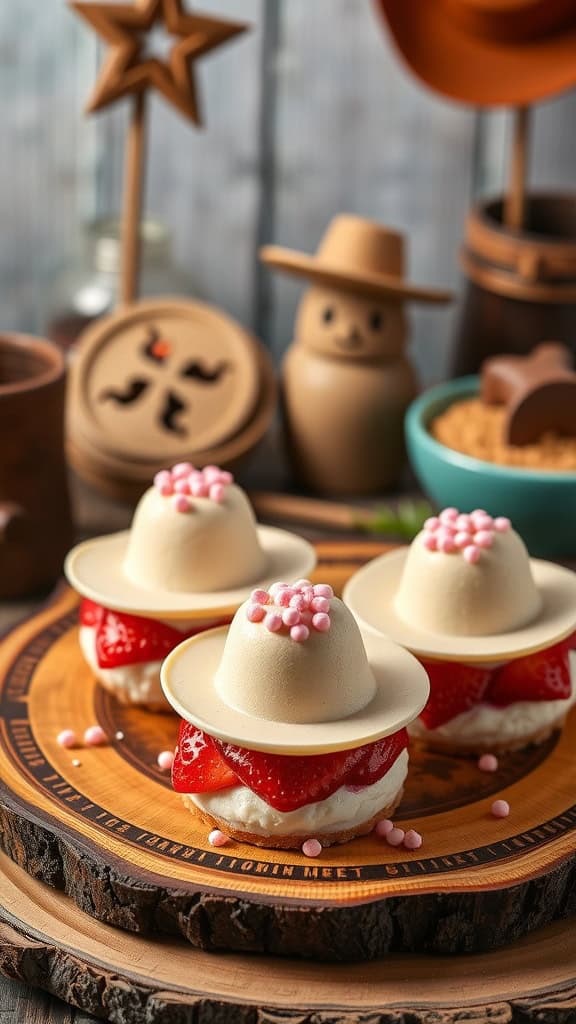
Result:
<point x="127" y="70"/>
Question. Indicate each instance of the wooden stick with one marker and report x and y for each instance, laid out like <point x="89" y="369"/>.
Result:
<point x="132" y="202"/>
<point x="516" y="198"/>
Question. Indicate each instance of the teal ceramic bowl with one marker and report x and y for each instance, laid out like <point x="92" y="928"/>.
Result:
<point x="541" y="505"/>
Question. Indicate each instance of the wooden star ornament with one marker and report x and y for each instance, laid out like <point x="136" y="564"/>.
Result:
<point x="128" y="71"/>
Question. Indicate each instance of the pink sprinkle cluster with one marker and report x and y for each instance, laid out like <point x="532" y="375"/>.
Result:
<point x="394" y="836"/>
<point x="295" y="608"/>
<point x="452" y="531"/>
<point x="184" y="481"/>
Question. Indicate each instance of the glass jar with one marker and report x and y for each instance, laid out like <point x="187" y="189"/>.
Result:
<point x="89" y="289"/>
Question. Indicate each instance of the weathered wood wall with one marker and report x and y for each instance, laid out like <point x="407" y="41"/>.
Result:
<point x="308" y="115"/>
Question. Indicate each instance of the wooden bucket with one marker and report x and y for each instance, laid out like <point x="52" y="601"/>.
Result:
<point x="521" y="285"/>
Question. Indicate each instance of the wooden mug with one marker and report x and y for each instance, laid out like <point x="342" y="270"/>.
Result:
<point x="35" y="520"/>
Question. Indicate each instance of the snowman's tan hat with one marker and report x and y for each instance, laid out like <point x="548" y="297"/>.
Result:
<point x="315" y="686"/>
<point x="356" y="255"/>
<point x="465" y="590"/>
<point x="194" y="547"/>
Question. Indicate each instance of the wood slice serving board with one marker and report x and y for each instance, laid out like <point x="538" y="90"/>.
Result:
<point x="111" y="834"/>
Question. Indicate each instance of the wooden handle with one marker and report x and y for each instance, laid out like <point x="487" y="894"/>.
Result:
<point x="516" y="200"/>
<point x="132" y="203"/>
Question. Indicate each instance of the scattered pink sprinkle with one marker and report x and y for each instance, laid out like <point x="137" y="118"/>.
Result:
<point x="76" y="763"/>
<point x="412" y="839"/>
<point x="471" y="554"/>
<point x="500" y="809"/>
<point x="165" y="760"/>
<point x="484" y="538"/>
<point x="323" y="590"/>
<point x="67" y="739"/>
<point x="488" y="763"/>
<point x="311" y="848"/>
<point x="501" y="524"/>
<point x="299" y="633"/>
<point x="395" y="837"/>
<point x="273" y="622"/>
<point x="217" y="838"/>
<point x="184" y="480"/>
<point x="95" y="736"/>
<point x="255" y="612"/>
<point x="181" y="503"/>
<point x="383" y="827"/>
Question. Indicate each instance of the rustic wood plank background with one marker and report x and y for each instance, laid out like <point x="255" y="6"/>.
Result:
<point x="309" y="114"/>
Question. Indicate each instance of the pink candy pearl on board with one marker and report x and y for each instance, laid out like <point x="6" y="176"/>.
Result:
<point x="383" y="827"/>
<point x="430" y="542"/>
<point x="165" y="760"/>
<point x="321" y="622"/>
<point x="471" y="554"/>
<point x="217" y="492"/>
<point x="181" y="503"/>
<point x="500" y="809"/>
<point x="484" y="538"/>
<point x="320" y="604"/>
<point x="182" y="487"/>
<point x="323" y="590"/>
<point x="462" y="539"/>
<point x="67" y="739"/>
<point x="273" y="622"/>
<point x="311" y="848"/>
<point x="259" y="597"/>
<point x="291" y="617"/>
<point x="501" y="524"/>
<point x="412" y="839"/>
<point x="255" y="612"/>
<point x="488" y="763"/>
<point x="300" y="633"/>
<point x="395" y="836"/>
<point x="432" y="523"/>
<point x="95" y="736"/>
<point x="217" y="838"/>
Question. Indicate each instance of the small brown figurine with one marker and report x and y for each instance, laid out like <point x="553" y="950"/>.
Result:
<point x="538" y="391"/>
<point x="347" y="380"/>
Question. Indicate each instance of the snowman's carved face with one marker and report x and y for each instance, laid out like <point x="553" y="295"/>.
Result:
<point x="350" y="326"/>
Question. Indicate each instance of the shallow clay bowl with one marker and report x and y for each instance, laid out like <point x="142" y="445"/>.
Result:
<point x="540" y="503"/>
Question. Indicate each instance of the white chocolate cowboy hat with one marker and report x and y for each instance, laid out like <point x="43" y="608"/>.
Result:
<point x="194" y="547"/>
<point x="357" y="255"/>
<point x="465" y="590"/>
<point x="299" y="689"/>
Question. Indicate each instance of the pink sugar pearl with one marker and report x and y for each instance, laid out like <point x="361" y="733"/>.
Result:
<point x="481" y="522"/>
<point x="484" y="538"/>
<point x="181" y="503"/>
<point x="311" y="848"/>
<point x="488" y="763"/>
<point x="67" y="739"/>
<point x="412" y="839"/>
<point x="383" y="828"/>
<point x="95" y="736"/>
<point x="226" y="477"/>
<point x="182" y="487"/>
<point x="163" y="477"/>
<point x="299" y="633"/>
<point x="447" y="544"/>
<point x="430" y="542"/>
<point x="199" y="489"/>
<point x="323" y="590"/>
<point x="165" y="760"/>
<point x="471" y="554"/>
<point x="283" y="597"/>
<point x="276" y="587"/>
<point x="259" y="597"/>
<point x="182" y="469"/>
<point x="463" y="522"/>
<point x="217" y="492"/>
<point x="501" y="524"/>
<point x="302" y="583"/>
<point x="166" y="490"/>
<point x="500" y="809"/>
<point x="211" y="474"/>
<point x="217" y="838"/>
<point x="462" y="539"/>
<point x="298" y="602"/>
<point x="395" y="836"/>
<point x="448" y="516"/>
<point x="273" y="622"/>
<point x="432" y="523"/>
<point x="291" y="617"/>
<point x="321" y="622"/>
<point x="255" y="612"/>
<point x="320" y="604"/>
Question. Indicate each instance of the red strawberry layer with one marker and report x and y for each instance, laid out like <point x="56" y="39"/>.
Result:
<point x="285" y="782"/>
<point x="123" y="639"/>
<point x="455" y="687"/>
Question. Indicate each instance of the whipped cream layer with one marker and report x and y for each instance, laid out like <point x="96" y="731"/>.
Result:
<point x="345" y="809"/>
<point x="485" y="723"/>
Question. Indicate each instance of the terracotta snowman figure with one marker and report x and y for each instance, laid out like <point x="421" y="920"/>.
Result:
<point x="347" y="380"/>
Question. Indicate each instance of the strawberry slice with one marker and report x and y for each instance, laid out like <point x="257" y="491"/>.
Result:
<point x="90" y="612"/>
<point x="454" y="688"/>
<point x="198" y="766"/>
<point x="544" y="675"/>
<point x="290" y="781"/>
<point x="123" y="639"/>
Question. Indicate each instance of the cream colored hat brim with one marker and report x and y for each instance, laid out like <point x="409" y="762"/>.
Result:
<point x="370" y="597"/>
<point x="94" y="569"/>
<point x="188" y="672"/>
<point x="300" y="264"/>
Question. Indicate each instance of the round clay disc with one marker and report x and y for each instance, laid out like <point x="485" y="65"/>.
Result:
<point x="162" y="379"/>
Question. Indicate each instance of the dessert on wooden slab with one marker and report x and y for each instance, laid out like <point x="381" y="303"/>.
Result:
<point x="491" y="626"/>
<point x="294" y="723"/>
<point x="192" y="555"/>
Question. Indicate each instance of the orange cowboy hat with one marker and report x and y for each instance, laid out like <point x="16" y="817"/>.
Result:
<point x="487" y="52"/>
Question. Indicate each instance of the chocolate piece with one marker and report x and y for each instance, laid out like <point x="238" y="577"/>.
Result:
<point x="539" y="391"/>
